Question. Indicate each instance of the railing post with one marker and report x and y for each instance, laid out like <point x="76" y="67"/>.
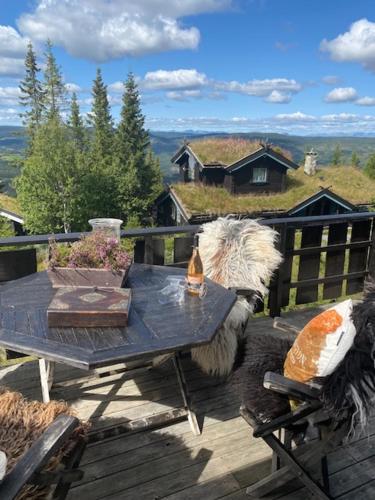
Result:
<point x="276" y="287"/>
<point x="149" y="250"/>
<point x="371" y="259"/>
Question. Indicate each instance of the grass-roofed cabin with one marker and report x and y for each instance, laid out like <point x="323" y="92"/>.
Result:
<point x="238" y="165"/>
<point x="333" y="190"/>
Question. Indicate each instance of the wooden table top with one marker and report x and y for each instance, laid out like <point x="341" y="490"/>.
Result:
<point x="154" y="327"/>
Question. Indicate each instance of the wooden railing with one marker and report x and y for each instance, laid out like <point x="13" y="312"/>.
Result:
<point x="325" y="257"/>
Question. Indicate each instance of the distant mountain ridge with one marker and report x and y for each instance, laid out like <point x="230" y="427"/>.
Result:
<point x="164" y="144"/>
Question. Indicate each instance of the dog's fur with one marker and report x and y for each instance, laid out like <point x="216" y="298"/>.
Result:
<point x="240" y="254"/>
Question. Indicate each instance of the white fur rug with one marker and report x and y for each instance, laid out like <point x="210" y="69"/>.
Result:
<point x="241" y="254"/>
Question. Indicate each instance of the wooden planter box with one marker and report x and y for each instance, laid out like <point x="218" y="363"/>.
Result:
<point x="66" y="276"/>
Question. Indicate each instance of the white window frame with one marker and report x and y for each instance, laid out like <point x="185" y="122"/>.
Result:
<point x="257" y="178"/>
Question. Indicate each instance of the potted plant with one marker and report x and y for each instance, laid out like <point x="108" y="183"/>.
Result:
<point x="97" y="259"/>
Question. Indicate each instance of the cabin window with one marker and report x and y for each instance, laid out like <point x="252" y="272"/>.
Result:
<point x="259" y="175"/>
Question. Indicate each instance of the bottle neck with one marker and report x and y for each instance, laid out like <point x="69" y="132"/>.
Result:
<point x="196" y="242"/>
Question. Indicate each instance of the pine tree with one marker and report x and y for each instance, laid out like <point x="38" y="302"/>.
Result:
<point x="55" y="93"/>
<point x="101" y="178"/>
<point x="101" y="120"/>
<point x="355" y="160"/>
<point x="337" y="156"/>
<point x="140" y="179"/>
<point x="32" y="95"/>
<point x="75" y="123"/>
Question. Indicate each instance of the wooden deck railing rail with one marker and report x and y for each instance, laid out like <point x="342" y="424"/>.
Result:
<point x="325" y="257"/>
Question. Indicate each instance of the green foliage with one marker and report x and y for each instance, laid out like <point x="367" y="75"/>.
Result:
<point x="355" y="160"/>
<point x="49" y="189"/>
<point x="6" y="228"/>
<point x="54" y="89"/>
<point x="137" y="169"/>
<point x="370" y="167"/>
<point x="337" y="156"/>
<point x="76" y="126"/>
<point x="32" y="94"/>
<point x="101" y="120"/>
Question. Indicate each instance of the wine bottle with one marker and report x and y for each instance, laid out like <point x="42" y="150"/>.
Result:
<point x="195" y="277"/>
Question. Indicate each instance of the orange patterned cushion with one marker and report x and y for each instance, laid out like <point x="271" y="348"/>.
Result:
<point x="322" y="344"/>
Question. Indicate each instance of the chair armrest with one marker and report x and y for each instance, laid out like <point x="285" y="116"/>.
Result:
<point x="38" y="455"/>
<point x="260" y="430"/>
<point x="284" y="326"/>
<point x="291" y="388"/>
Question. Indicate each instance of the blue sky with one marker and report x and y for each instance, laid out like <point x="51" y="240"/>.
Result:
<point x="304" y="67"/>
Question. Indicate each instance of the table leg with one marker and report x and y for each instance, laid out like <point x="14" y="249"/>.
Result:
<point x="46" y="371"/>
<point x="185" y="394"/>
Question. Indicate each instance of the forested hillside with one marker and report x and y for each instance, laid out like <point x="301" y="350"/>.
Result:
<point x="164" y="144"/>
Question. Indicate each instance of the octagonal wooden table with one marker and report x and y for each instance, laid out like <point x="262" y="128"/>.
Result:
<point x="154" y="327"/>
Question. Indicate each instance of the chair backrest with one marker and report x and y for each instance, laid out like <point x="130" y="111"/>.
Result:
<point x="16" y="264"/>
<point x="239" y="253"/>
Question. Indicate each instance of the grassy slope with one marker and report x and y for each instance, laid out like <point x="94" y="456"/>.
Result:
<point x="9" y="203"/>
<point x="348" y="182"/>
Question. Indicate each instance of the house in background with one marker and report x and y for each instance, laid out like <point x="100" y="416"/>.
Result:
<point x="324" y="202"/>
<point x="243" y="178"/>
<point x="238" y="165"/>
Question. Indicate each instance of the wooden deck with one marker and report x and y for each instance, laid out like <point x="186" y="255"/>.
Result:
<point x="171" y="462"/>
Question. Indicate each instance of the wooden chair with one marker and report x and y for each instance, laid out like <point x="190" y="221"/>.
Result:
<point x="301" y="439"/>
<point x="43" y="444"/>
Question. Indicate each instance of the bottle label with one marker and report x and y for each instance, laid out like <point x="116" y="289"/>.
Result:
<point x="194" y="284"/>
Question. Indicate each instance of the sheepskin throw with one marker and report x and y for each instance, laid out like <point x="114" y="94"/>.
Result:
<point x="240" y="254"/>
<point x="22" y="422"/>
<point x="349" y="392"/>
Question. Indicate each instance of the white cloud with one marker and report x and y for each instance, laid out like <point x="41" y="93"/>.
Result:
<point x="298" y="123"/>
<point x="174" y="80"/>
<point x="341" y="94"/>
<point x="356" y="45"/>
<point x="73" y="87"/>
<point x="10" y="66"/>
<point x="366" y="101"/>
<point x="9" y="116"/>
<point x="184" y="95"/>
<point x="100" y="30"/>
<point x="262" y="88"/>
<point x="278" y="97"/>
<point x="12" y="52"/>
<point x="298" y="116"/>
<point x="331" y="80"/>
<point x="9" y="96"/>
<point x="116" y="87"/>
<point x="12" y="44"/>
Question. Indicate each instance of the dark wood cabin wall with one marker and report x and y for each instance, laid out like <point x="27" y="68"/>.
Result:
<point x="242" y="178"/>
<point x="213" y="176"/>
<point x="164" y="216"/>
<point x="197" y="173"/>
<point x="228" y="183"/>
<point x="184" y="170"/>
<point x="324" y="206"/>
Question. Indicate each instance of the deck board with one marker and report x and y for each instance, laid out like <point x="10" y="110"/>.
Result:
<point x="172" y="463"/>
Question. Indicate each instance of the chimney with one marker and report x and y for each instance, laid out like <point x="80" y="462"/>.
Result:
<point x="310" y="162"/>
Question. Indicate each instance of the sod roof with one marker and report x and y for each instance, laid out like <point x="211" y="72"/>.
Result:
<point x="348" y="182"/>
<point x="226" y="151"/>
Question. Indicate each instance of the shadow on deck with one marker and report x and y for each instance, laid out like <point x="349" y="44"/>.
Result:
<point x="171" y="462"/>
